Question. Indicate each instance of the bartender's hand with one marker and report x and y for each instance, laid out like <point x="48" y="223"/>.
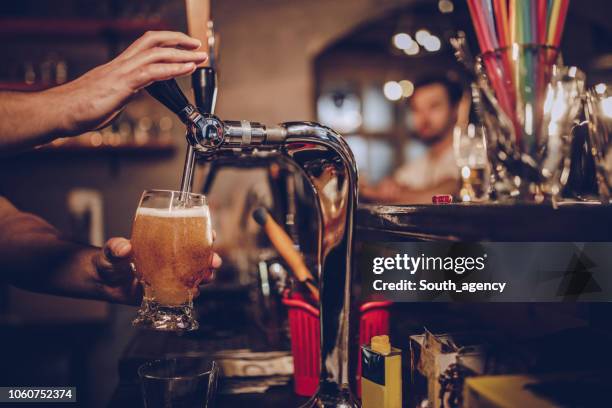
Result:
<point x="91" y="101"/>
<point x="97" y="97"/>
<point x="116" y="276"/>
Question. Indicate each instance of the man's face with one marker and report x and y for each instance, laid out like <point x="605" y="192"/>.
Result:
<point x="432" y="113"/>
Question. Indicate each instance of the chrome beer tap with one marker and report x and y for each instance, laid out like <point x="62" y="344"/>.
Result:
<point x="326" y="162"/>
<point x="204" y="85"/>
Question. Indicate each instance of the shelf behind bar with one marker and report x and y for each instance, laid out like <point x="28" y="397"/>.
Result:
<point x="126" y="147"/>
<point x="75" y="150"/>
<point x="78" y="27"/>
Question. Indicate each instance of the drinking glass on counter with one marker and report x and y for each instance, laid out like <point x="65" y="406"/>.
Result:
<point x="471" y="156"/>
<point x="173" y="247"/>
<point x="185" y="382"/>
<point x="532" y="103"/>
<point x="599" y="115"/>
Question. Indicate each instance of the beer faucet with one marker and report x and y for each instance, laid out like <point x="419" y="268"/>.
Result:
<point x="204" y="85"/>
<point x="324" y="158"/>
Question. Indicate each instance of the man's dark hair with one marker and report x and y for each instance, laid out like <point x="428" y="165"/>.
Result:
<point x="453" y="88"/>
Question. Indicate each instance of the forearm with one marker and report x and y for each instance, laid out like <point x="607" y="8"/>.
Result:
<point x="95" y="98"/>
<point x="31" y="118"/>
<point x="34" y="256"/>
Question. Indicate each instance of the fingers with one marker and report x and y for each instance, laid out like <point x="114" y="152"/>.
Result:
<point x="161" y="39"/>
<point x="216" y="261"/>
<point x="130" y="293"/>
<point x="157" y="56"/>
<point x="117" y="248"/>
<point x="208" y="277"/>
<point x="114" y="262"/>
<point x="162" y="63"/>
<point x="169" y="55"/>
<point x="159" y="72"/>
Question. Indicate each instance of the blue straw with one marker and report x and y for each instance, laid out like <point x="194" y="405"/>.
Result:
<point x="488" y="6"/>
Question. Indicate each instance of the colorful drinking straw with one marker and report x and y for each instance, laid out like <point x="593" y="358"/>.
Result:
<point x="508" y="32"/>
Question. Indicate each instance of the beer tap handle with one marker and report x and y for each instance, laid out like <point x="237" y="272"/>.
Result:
<point x="170" y="95"/>
<point x="204" y="83"/>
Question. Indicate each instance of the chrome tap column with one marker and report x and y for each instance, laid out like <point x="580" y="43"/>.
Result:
<point x="325" y="160"/>
<point x="328" y="163"/>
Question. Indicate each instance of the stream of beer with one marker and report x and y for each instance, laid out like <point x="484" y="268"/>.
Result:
<point x="188" y="169"/>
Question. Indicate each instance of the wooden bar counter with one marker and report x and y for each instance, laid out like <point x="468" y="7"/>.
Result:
<point x="570" y="222"/>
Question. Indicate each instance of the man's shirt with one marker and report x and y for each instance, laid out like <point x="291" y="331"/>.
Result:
<point x="427" y="172"/>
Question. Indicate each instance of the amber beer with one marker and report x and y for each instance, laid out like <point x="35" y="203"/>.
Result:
<point x="172" y="252"/>
<point x="173" y="249"/>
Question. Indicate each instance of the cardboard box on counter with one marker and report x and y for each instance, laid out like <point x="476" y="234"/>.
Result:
<point x="432" y="354"/>
<point x="538" y="391"/>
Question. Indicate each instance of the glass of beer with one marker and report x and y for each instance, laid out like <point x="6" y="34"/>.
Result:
<point x="172" y="240"/>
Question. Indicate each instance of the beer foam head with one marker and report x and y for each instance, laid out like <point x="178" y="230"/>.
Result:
<point x="174" y="212"/>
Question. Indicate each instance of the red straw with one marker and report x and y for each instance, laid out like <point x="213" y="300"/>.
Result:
<point x="561" y="24"/>
<point x="497" y="83"/>
<point x="501" y="11"/>
<point x="541" y="19"/>
<point x="495" y="77"/>
<point x="501" y="8"/>
<point x="480" y="26"/>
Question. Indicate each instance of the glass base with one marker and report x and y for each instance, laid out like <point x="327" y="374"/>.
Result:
<point x="339" y="400"/>
<point x="153" y="315"/>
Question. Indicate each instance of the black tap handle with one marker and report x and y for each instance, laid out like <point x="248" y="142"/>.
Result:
<point x="204" y="83"/>
<point x="170" y="95"/>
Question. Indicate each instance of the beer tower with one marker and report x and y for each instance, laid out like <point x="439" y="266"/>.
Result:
<point x="323" y="158"/>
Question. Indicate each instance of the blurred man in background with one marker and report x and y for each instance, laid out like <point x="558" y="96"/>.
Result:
<point x="435" y="110"/>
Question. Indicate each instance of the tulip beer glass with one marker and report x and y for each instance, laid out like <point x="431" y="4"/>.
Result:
<point x="172" y="239"/>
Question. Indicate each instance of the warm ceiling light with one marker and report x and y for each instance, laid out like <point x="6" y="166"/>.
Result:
<point x="392" y="90"/>
<point x="407" y="88"/>
<point x="432" y="43"/>
<point x="606" y="106"/>
<point x="601" y="88"/>
<point x="402" y="41"/>
<point x="413" y="50"/>
<point x="422" y="36"/>
<point x="446" y="6"/>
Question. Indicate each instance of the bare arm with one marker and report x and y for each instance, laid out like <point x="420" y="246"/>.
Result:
<point x="35" y="256"/>
<point x="94" y="99"/>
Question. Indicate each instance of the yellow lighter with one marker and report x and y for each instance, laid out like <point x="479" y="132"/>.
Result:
<point x="381" y="374"/>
